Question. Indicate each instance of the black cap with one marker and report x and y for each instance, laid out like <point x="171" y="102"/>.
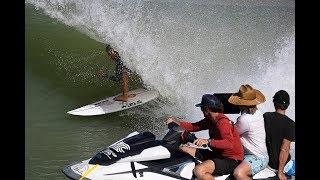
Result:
<point x="281" y="97"/>
<point x="209" y="100"/>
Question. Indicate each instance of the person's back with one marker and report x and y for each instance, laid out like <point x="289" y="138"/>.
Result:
<point x="254" y="138"/>
<point x="278" y="127"/>
<point x="280" y="132"/>
<point x="236" y="150"/>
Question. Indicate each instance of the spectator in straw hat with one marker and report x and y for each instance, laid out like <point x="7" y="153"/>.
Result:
<point x="250" y="125"/>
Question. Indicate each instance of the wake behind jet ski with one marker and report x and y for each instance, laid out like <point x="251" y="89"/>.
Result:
<point x="141" y="156"/>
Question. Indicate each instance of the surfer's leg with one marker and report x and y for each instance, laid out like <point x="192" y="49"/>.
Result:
<point x="124" y="97"/>
<point x="125" y="87"/>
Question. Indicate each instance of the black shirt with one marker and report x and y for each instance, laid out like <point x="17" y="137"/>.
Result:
<point x="278" y="127"/>
<point x="118" y="70"/>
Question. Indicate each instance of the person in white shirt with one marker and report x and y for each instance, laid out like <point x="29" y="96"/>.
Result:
<point x="250" y="125"/>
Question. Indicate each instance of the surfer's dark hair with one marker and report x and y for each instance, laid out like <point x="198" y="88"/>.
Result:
<point x="108" y="48"/>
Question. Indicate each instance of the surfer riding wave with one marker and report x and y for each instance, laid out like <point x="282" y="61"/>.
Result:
<point x="121" y="74"/>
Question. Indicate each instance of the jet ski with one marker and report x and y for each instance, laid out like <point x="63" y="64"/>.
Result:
<point x="141" y="156"/>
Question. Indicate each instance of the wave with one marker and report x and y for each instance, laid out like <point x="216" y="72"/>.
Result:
<point x="187" y="48"/>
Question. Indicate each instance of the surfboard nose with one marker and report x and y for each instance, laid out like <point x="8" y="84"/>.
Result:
<point x="87" y="112"/>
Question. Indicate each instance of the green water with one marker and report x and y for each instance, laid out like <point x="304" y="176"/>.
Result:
<point x="60" y="69"/>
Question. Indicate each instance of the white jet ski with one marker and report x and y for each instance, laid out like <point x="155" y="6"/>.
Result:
<point x="141" y="156"/>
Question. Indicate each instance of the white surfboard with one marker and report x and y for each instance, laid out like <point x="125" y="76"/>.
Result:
<point x="109" y="105"/>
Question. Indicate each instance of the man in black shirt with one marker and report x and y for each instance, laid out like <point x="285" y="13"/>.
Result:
<point x="280" y="132"/>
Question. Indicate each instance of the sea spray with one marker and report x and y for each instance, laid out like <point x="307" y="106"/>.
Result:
<point x="184" y="49"/>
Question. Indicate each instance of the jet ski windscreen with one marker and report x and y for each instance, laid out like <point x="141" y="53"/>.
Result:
<point x="228" y="108"/>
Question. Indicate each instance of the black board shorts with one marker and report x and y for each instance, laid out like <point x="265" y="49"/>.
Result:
<point x="222" y="165"/>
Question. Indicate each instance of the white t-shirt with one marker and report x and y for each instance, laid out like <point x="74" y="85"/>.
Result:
<point x="252" y="134"/>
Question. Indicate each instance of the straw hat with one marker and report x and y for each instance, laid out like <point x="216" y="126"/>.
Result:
<point x="247" y="96"/>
